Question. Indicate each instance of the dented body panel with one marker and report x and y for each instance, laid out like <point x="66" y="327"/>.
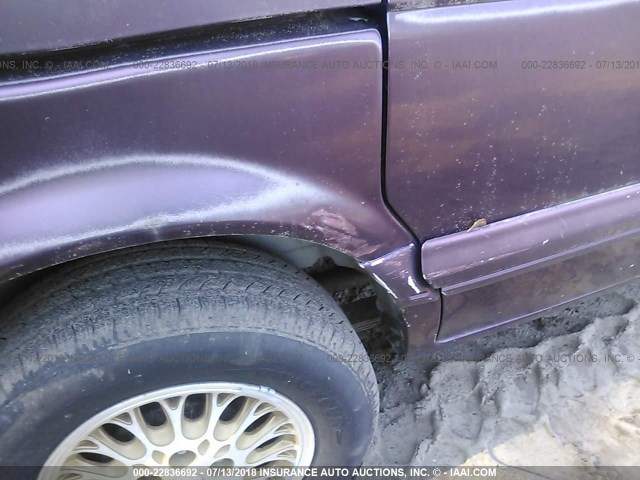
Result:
<point x="505" y="188"/>
<point x="126" y="155"/>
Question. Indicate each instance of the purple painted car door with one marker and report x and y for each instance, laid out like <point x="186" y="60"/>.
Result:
<point x="500" y="109"/>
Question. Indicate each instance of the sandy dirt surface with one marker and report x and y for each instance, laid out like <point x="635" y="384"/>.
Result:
<point x="562" y="390"/>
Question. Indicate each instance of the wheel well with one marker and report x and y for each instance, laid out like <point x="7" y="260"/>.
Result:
<point x="366" y="303"/>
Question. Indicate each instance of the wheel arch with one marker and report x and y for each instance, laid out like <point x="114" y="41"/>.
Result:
<point x="75" y="211"/>
<point x="327" y="262"/>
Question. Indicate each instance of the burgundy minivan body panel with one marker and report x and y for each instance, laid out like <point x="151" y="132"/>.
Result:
<point x="463" y="261"/>
<point x="211" y="142"/>
<point x="232" y="141"/>
<point x="27" y="26"/>
<point x="517" y="268"/>
<point x="126" y="155"/>
<point x="482" y="124"/>
<point x="530" y="294"/>
<point x="479" y="142"/>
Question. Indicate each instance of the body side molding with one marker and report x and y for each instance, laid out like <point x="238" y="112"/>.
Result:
<point x="520" y="268"/>
<point x="465" y="260"/>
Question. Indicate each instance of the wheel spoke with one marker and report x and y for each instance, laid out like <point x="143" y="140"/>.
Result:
<point x="226" y="429"/>
<point x="280" y="450"/>
<point x="258" y="411"/>
<point x="219" y="403"/>
<point x="133" y="422"/>
<point x="100" y="443"/>
<point x="174" y="410"/>
<point x="198" y="427"/>
<point x="274" y="426"/>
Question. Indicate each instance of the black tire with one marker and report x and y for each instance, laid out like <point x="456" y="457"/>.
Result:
<point x="112" y="327"/>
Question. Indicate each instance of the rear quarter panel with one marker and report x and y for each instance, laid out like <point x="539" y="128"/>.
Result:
<point x="128" y="154"/>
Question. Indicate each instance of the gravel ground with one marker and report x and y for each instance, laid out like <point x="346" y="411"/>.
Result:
<point x="561" y="390"/>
